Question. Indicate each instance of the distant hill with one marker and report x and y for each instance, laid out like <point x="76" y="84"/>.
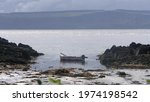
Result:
<point x="88" y="19"/>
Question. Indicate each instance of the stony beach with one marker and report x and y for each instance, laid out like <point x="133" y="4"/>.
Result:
<point x="74" y="76"/>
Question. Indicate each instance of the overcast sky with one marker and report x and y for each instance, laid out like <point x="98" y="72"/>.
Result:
<point x="57" y="5"/>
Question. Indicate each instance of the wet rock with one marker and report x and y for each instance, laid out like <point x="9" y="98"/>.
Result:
<point x="11" y="53"/>
<point x="146" y="71"/>
<point x="25" y="69"/>
<point x="136" y="82"/>
<point x="102" y="76"/>
<point x="62" y="72"/>
<point x="84" y="74"/>
<point x="115" y="83"/>
<point x="71" y="72"/>
<point x="122" y="74"/>
<point x="45" y="72"/>
<point x="147" y="75"/>
<point x="93" y="70"/>
<point x="4" y="83"/>
<point x="100" y="83"/>
<point x="136" y="55"/>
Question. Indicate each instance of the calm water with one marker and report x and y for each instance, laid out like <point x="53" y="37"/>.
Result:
<point x="73" y="42"/>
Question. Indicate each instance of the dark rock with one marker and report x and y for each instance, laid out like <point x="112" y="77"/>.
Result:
<point x="3" y="41"/>
<point x="4" y="83"/>
<point x="84" y="74"/>
<point x="25" y="69"/>
<point x="122" y="74"/>
<point x="146" y="71"/>
<point x="102" y="76"/>
<point x="12" y="53"/>
<point x="136" y="82"/>
<point x="136" y="55"/>
<point x="100" y="83"/>
<point x="45" y="72"/>
<point x="62" y="72"/>
<point x="147" y="75"/>
<point x="68" y="72"/>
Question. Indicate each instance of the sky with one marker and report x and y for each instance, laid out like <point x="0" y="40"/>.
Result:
<point x="60" y="5"/>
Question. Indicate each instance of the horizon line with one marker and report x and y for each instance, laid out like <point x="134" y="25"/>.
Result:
<point x="73" y="10"/>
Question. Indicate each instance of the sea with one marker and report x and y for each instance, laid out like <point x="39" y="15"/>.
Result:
<point x="76" y="42"/>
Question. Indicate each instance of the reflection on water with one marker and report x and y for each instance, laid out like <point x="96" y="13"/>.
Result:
<point x="73" y="62"/>
<point x="74" y="43"/>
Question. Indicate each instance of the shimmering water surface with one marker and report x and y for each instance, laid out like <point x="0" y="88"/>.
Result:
<point x="74" y="42"/>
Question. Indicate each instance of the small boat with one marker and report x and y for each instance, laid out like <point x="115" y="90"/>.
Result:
<point x="64" y="58"/>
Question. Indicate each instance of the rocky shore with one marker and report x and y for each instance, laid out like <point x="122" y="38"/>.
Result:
<point x="135" y="59"/>
<point x="132" y="56"/>
<point x="13" y="56"/>
<point x="74" y="76"/>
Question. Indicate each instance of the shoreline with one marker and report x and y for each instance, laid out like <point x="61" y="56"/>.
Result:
<point x="127" y="66"/>
<point x="134" y="55"/>
<point x="75" y="76"/>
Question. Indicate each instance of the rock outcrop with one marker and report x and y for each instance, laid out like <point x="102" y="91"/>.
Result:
<point x="134" y="55"/>
<point x="11" y="53"/>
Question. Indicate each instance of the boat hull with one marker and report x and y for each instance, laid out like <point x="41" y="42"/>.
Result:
<point x="71" y="58"/>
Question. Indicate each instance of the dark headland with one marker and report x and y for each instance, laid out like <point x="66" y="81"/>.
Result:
<point x="12" y="54"/>
<point x="135" y="55"/>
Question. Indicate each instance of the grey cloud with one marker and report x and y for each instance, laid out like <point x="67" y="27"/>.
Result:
<point x="43" y="5"/>
<point x="10" y="5"/>
<point x="55" y="5"/>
